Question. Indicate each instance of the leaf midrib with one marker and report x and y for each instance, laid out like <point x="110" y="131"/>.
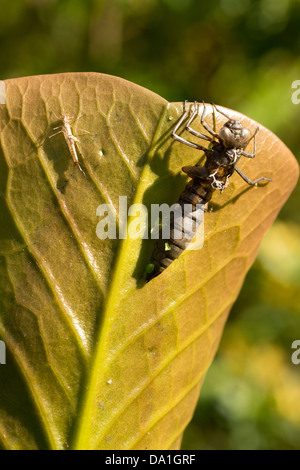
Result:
<point x="85" y="413"/>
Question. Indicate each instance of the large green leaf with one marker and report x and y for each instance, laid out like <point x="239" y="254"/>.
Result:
<point x="96" y="358"/>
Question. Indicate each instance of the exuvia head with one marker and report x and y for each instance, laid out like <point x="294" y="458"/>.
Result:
<point x="65" y="117"/>
<point x="234" y="135"/>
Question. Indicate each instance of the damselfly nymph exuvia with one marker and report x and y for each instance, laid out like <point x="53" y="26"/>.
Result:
<point x="223" y="152"/>
<point x="71" y="140"/>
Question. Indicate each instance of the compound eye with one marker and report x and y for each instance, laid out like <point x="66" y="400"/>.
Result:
<point x="229" y="124"/>
<point x="244" y="137"/>
<point x="227" y="136"/>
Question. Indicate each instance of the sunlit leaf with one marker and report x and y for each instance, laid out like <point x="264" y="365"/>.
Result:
<point x="96" y="358"/>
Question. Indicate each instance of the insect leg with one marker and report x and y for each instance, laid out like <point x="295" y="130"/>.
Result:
<point x="59" y="132"/>
<point x="59" y="118"/>
<point x="180" y="120"/>
<point x="205" y="125"/>
<point x="245" y="178"/>
<point x="181" y="139"/>
<point x="192" y="131"/>
<point x="247" y="154"/>
<point x="221" y="112"/>
<point x="86" y="132"/>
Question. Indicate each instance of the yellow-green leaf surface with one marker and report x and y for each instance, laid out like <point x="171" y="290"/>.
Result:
<point x="96" y="358"/>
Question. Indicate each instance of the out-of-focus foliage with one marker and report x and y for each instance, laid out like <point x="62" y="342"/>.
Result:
<point x="243" y="54"/>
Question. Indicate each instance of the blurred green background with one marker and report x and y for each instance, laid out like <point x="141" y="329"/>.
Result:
<point x="243" y="54"/>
